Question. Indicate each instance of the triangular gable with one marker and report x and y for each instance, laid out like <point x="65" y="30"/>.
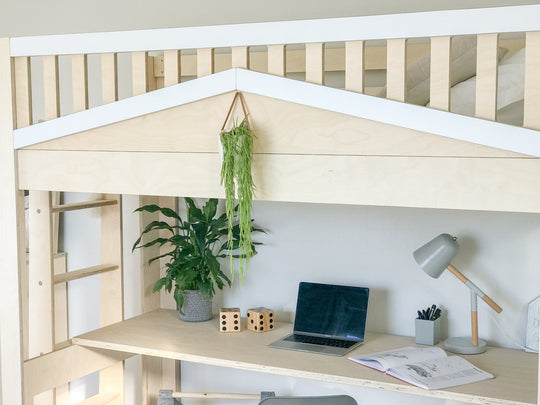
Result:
<point x="385" y="111"/>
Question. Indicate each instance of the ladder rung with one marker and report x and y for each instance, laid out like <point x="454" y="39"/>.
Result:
<point x="82" y="205"/>
<point x="89" y="271"/>
<point x="100" y="399"/>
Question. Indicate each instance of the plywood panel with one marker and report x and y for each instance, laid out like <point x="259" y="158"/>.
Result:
<point x="67" y="364"/>
<point x="515" y="370"/>
<point x="23" y="92"/>
<point x="531" y="108"/>
<point x="496" y="184"/>
<point x="486" y="76"/>
<point x="396" y="69"/>
<point x="280" y="127"/>
<point x="354" y="66"/>
<point x="439" y="90"/>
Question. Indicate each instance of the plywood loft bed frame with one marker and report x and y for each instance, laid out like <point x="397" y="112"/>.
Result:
<point x="311" y="140"/>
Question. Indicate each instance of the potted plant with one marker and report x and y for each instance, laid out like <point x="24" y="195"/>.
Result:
<point x="197" y="242"/>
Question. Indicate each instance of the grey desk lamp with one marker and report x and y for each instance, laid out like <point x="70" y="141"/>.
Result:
<point x="434" y="257"/>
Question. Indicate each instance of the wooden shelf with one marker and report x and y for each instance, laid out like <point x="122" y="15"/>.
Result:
<point x="162" y="334"/>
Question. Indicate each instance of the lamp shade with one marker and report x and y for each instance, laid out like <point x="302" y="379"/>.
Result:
<point x="435" y="256"/>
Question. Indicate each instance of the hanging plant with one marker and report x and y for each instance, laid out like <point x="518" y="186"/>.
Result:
<point x="238" y="182"/>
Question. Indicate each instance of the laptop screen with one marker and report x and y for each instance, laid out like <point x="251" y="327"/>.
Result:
<point x="332" y="310"/>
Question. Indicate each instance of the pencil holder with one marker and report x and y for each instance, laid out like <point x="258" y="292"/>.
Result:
<point x="427" y="332"/>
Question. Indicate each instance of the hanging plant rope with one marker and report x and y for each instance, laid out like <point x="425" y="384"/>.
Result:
<point x="236" y="170"/>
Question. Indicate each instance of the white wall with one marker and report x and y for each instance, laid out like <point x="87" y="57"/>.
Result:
<point x="367" y="246"/>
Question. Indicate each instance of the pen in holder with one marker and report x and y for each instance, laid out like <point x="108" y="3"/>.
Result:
<point x="427" y="326"/>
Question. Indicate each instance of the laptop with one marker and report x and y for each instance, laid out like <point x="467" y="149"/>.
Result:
<point x="330" y="319"/>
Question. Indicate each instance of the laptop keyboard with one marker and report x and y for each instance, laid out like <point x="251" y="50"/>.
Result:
<point x="323" y="341"/>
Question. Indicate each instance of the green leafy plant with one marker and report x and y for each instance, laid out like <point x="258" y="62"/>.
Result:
<point x="236" y="170"/>
<point x="196" y="244"/>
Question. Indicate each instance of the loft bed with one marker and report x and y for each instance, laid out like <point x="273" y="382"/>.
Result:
<point x="311" y="141"/>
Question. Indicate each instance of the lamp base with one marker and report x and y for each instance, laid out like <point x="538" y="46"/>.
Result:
<point x="463" y="345"/>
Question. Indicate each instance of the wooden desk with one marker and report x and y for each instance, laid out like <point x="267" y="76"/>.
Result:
<point x="162" y="334"/>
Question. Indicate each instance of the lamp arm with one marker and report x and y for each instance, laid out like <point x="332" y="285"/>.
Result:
<point x="474" y="288"/>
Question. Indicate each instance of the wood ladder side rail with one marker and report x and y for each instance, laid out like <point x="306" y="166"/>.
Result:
<point x="82" y="205"/>
<point x="85" y="272"/>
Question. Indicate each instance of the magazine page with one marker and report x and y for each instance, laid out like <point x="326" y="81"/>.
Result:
<point x="439" y="373"/>
<point x="393" y="358"/>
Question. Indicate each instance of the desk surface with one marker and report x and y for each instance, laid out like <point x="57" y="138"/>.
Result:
<point x="161" y="334"/>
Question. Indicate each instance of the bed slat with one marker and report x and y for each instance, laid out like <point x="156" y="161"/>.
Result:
<point x="139" y="64"/>
<point x="23" y="92"/>
<point x="439" y="91"/>
<point x="486" y="76"/>
<point x="240" y="57"/>
<point x="396" y="68"/>
<point x="315" y="63"/>
<point x="109" y="78"/>
<point x="171" y="67"/>
<point x="50" y="87"/>
<point x="205" y="62"/>
<point x="79" y="79"/>
<point x="531" y="112"/>
<point x="354" y="66"/>
<point x="276" y="60"/>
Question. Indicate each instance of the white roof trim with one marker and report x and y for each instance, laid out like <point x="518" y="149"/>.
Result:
<point x="405" y="25"/>
<point x="483" y="132"/>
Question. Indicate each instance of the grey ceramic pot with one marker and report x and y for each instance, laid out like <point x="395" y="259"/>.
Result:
<point x="196" y="308"/>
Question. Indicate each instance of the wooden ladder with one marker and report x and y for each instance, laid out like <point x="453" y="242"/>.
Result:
<point x="45" y="284"/>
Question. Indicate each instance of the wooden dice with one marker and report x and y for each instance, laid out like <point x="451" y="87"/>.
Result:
<point x="229" y="320"/>
<point x="260" y="319"/>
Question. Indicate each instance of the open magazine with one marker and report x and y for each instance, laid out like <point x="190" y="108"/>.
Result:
<point x="428" y="368"/>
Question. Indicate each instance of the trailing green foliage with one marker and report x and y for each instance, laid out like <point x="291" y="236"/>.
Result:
<point x="236" y="168"/>
<point x="196" y="244"/>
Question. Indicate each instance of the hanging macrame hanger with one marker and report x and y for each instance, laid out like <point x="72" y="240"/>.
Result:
<point x="237" y="95"/>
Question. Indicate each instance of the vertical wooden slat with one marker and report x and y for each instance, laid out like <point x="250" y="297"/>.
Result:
<point x="61" y="320"/>
<point x="12" y="256"/>
<point x="486" y="76"/>
<point x="531" y="108"/>
<point x="23" y="92"/>
<point x="276" y="60"/>
<point x="240" y="57"/>
<point x="79" y="79"/>
<point x="111" y="290"/>
<point x="170" y="369"/>
<point x="139" y="67"/>
<point x="40" y="307"/>
<point x="315" y="63"/>
<point x="50" y="87"/>
<point x="151" y="79"/>
<point x="205" y="62"/>
<point x="171" y="67"/>
<point x="396" y="69"/>
<point x="109" y="83"/>
<point x="354" y="66"/>
<point x="439" y="91"/>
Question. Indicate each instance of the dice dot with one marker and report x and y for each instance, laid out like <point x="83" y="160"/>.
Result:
<point x="271" y="314"/>
<point x="235" y="316"/>
<point x="224" y="328"/>
<point x="249" y="314"/>
<point x="223" y="316"/>
<point x="271" y="326"/>
<point x="271" y="321"/>
<point x="223" y="322"/>
<point x="252" y="321"/>
<point x="236" y="328"/>
<point x="236" y="322"/>
<point x="260" y="317"/>
<point x="261" y="322"/>
<point x="255" y="328"/>
<point x="262" y="328"/>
